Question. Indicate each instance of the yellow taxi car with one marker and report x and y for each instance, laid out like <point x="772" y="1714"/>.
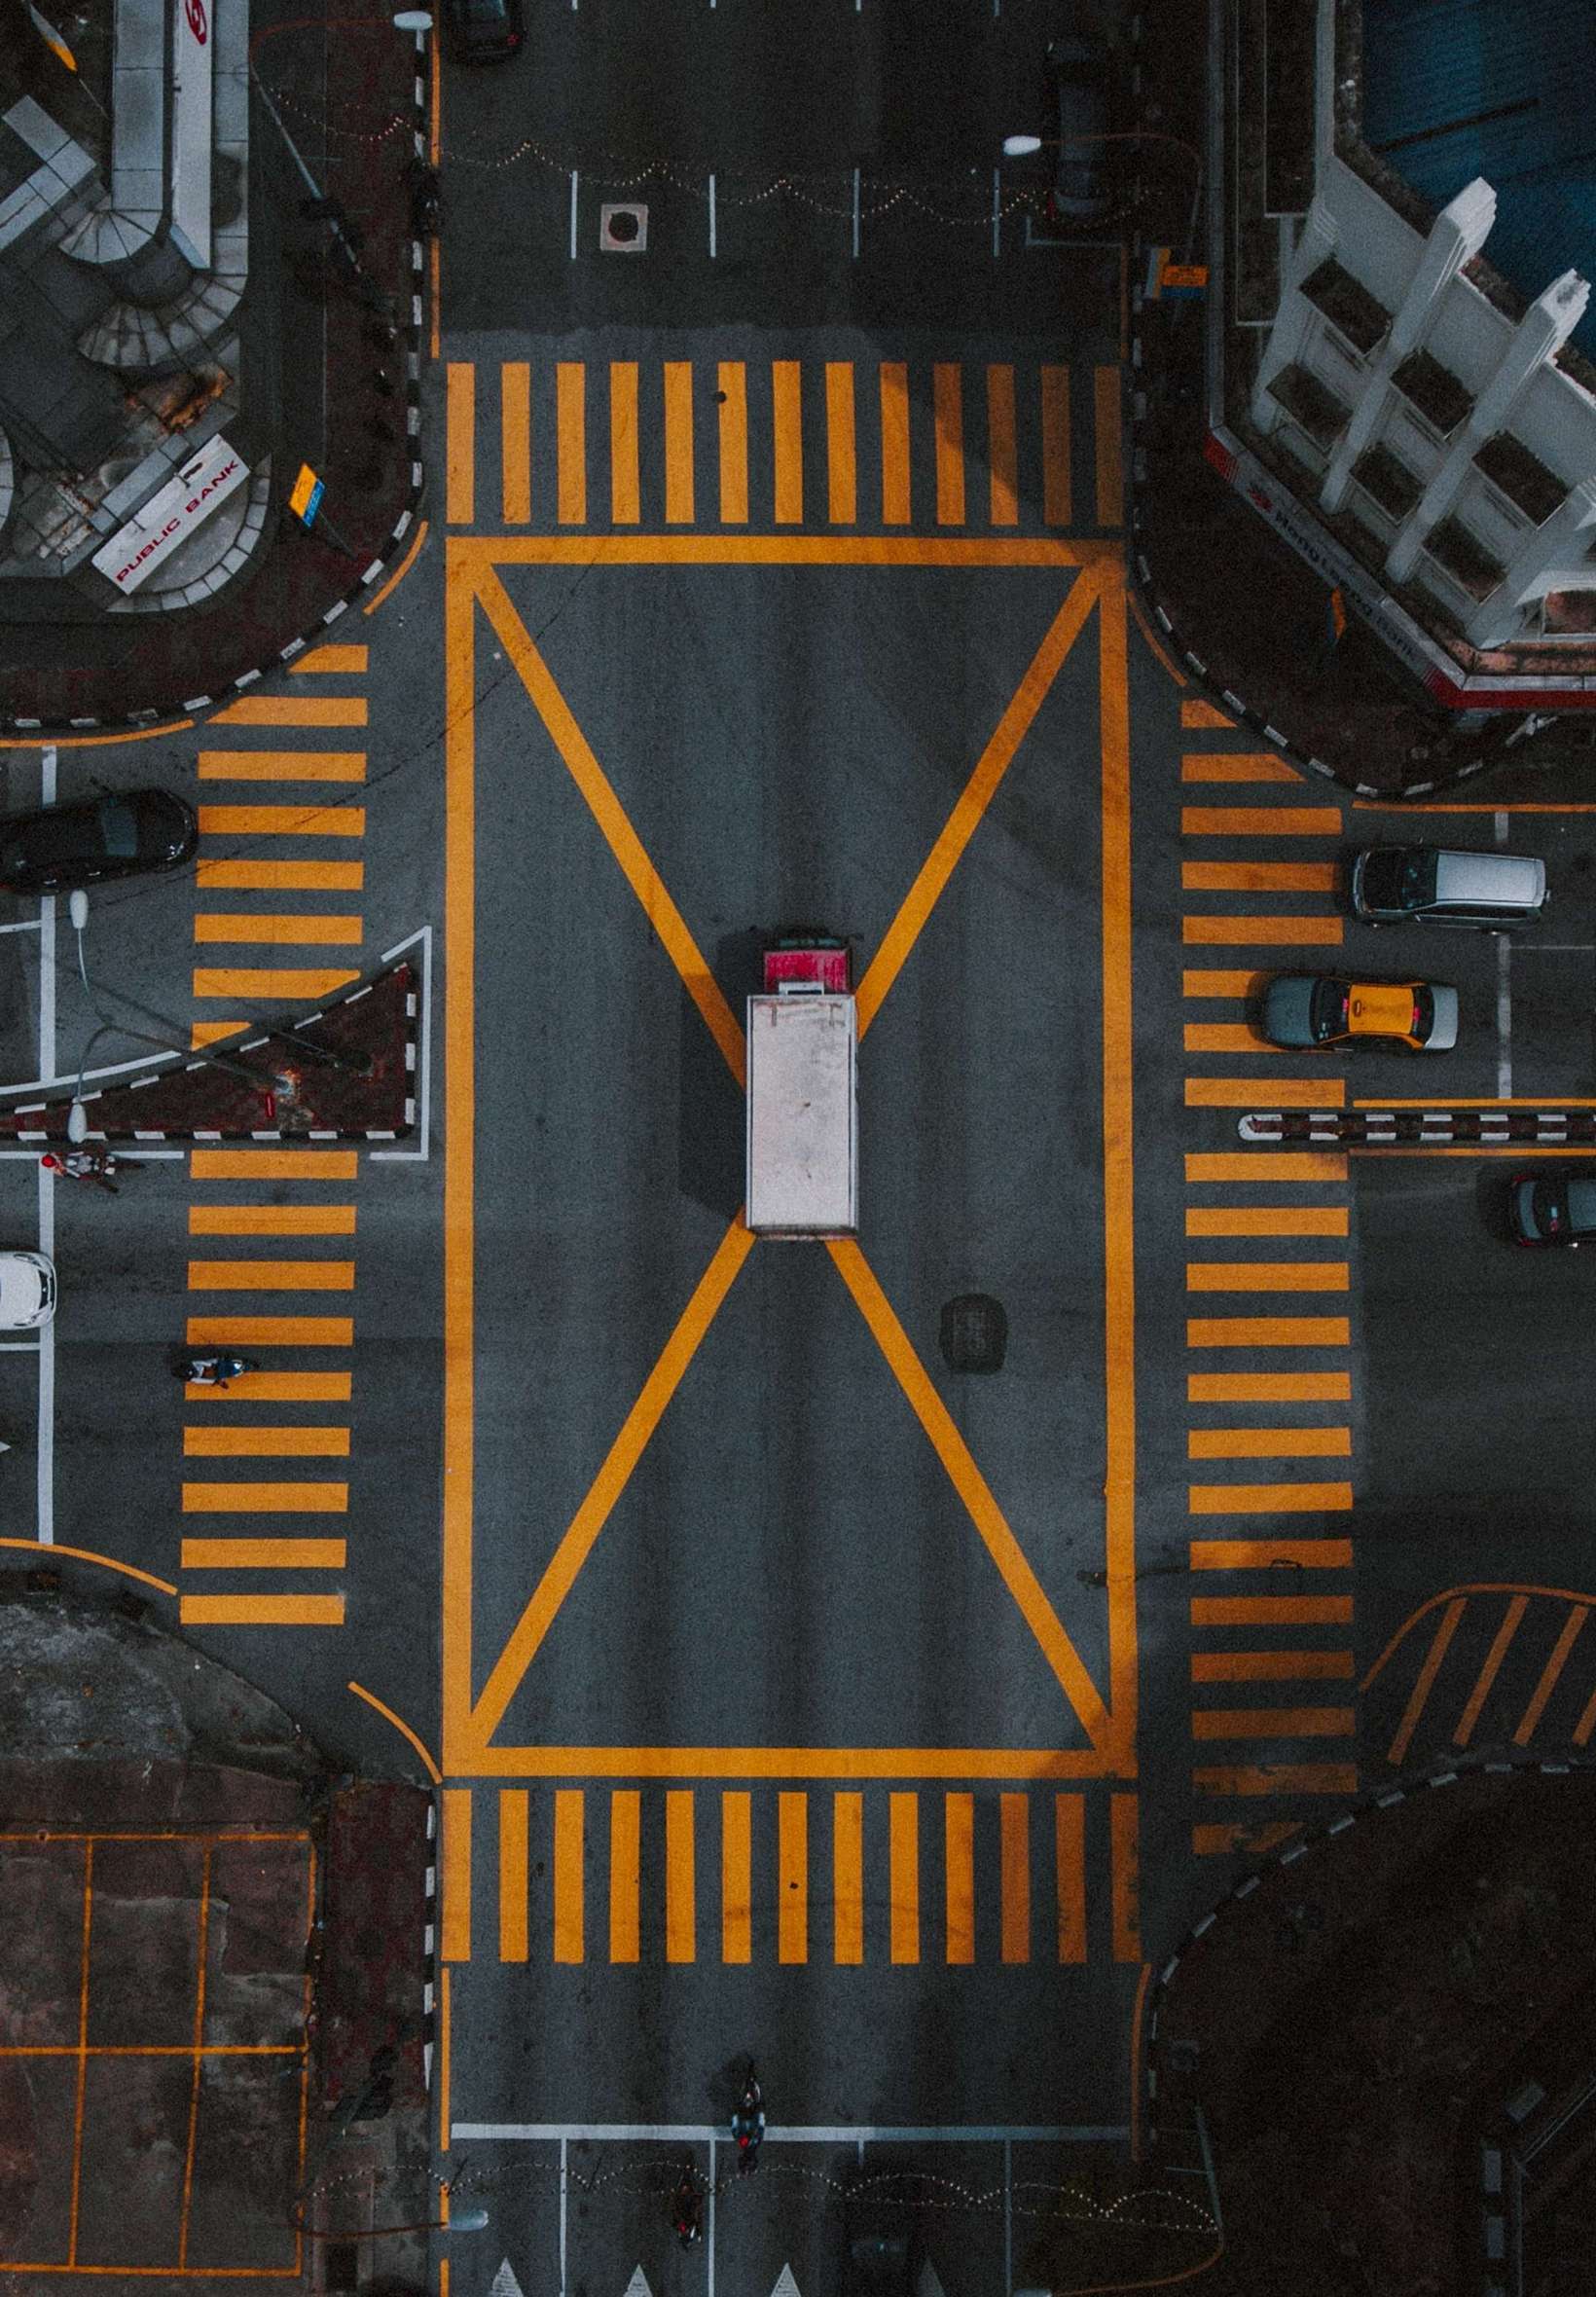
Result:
<point x="1326" y="1013"/>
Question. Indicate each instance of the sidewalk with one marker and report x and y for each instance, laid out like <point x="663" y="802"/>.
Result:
<point x="1236" y="609"/>
<point x="352" y="86"/>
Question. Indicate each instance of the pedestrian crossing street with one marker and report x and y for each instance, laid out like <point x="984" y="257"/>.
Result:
<point x="250" y="1481"/>
<point x="853" y="1876"/>
<point x="1269" y="1381"/>
<point x="894" y="445"/>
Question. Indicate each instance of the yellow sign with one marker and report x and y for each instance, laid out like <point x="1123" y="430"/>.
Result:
<point x="1184" y="275"/>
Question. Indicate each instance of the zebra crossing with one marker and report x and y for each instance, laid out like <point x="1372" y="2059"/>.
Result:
<point x="898" y="446"/>
<point x="1269" y="1386"/>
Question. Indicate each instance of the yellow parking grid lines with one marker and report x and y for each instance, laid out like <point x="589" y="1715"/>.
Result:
<point x="271" y="1275"/>
<point x="626" y="1823"/>
<point x="570" y="379"/>
<point x="787" y="441"/>
<point x="1268" y="1331"/>
<point x="273" y="1164"/>
<point x="736" y="1875"/>
<point x="1271" y="1611"/>
<point x="948" y="410"/>
<point x="317" y="929"/>
<point x="281" y="821"/>
<point x="272" y="1220"/>
<point x="848" y="1879"/>
<point x="455" y="1874"/>
<point x="1336" y="1779"/>
<point x="681" y="1884"/>
<point x="1246" y="1092"/>
<point x="1266" y="1220"/>
<point x="1258" y="877"/>
<point x="1204" y="713"/>
<point x="1250" y="766"/>
<point x="1224" y="1037"/>
<point x="459" y="443"/>
<point x="1268" y="1443"/>
<point x="336" y="661"/>
<point x="792" y="1878"/>
<point x="1550" y="1674"/>
<point x="1198" y="982"/>
<point x="273" y="1387"/>
<point x="268" y="1332"/>
<point x="260" y="1611"/>
<point x="1266" y="1165"/>
<point x="1286" y="932"/>
<point x="1056" y="488"/>
<point x="1014" y="1877"/>
<point x="1271" y="1667"/>
<point x="1111" y="475"/>
<point x="1260" y="821"/>
<point x="840" y="452"/>
<point x="1302" y="1276"/>
<point x="1124" y="1877"/>
<point x="903" y="1876"/>
<point x="266" y="1499"/>
<point x="1211" y="1723"/>
<point x="894" y="445"/>
<point x="568" y="1929"/>
<point x="273" y="877"/>
<point x="514" y="1875"/>
<point x="1003" y="491"/>
<point x="283" y="765"/>
<point x="678" y="442"/>
<point x="293" y="710"/>
<point x="263" y="1555"/>
<point x="260" y="1441"/>
<point x="1070" y="1862"/>
<point x="958" y="1874"/>
<point x="732" y="393"/>
<point x="515" y="443"/>
<point x="282" y="983"/>
<point x="1271" y="1499"/>
<point x="1269" y="1386"/>
<point x="625" y="479"/>
<point x="1491" y="1667"/>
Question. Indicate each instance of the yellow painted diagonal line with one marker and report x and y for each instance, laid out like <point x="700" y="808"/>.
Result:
<point x="607" y="811"/>
<point x="977" y="794"/>
<point x="972" y="1488"/>
<point x="565" y="1564"/>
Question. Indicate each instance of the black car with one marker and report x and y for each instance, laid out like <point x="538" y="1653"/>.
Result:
<point x="1552" y="1208"/>
<point x="1082" y="75"/>
<point x="119" y="835"/>
<point x="485" y="31"/>
<point x="883" y="2248"/>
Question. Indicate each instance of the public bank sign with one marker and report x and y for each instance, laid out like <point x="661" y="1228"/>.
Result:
<point x="171" y="516"/>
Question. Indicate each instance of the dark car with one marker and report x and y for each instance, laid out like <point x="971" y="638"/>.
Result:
<point x="1552" y="1208"/>
<point x="117" y="835"/>
<point x="485" y="31"/>
<point x="884" y="2249"/>
<point x="1081" y="73"/>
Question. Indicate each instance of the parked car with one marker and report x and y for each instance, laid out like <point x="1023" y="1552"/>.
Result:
<point x="485" y="31"/>
<point x="119" y="835"/>
<point x="885" y="2248"/>
<point x="1431" y="885"/>
<point x="1326" y="1013"/>
<point x="1081" y="73"/>
<point x="28" y="1290"/>
<point x="1552" y="1208"/>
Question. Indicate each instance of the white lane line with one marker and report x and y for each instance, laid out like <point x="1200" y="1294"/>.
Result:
<point x="22" y="924"/>
<point x="565" y="2171"/>
<point x="423" y="1103"/>
<point x="574" y="214"/>
<point x="996" y="211"/>
<point x="45" y="1183"/>
<point x="711" y="215"/>
<point x="790" y="2134"/>
<point x="855" y="215"/>
<point x="1505" y="1018"/>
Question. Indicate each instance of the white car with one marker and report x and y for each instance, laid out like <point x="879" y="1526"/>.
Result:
<point x="28" y="1290"/>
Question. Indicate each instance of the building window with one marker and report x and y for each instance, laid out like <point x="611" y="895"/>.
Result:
<point x="1311" y="404"/>
<point x="1387" y="480"/>
<point x="1347" y="304"/>
<point x="1529" y="486"/>
<point x="1465" y="558"/>
<point x="1435" y="390"/>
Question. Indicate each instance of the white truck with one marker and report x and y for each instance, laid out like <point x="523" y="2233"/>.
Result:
<point x="803" y="1135"/>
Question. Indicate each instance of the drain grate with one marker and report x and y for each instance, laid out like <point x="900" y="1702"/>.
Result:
<point x="974" y="1334"/>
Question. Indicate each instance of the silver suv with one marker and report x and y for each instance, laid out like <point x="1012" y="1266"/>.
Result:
<point x="1431" y="885"/>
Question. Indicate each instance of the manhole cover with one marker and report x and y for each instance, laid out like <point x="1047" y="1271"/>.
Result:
<point x="623" y="228"/>
<point x="974" y="1334"/>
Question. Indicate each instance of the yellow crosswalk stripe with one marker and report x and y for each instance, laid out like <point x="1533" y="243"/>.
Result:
<point x="1268" y="1443"/>
<point x="1258" y="877"/>
<point x="1110" y="474"/>
<point x="515" y="1877"/>
<point x="1286" y="932"/>
<point x="1204" y="1276"/>
<point x="1268" y="1499"/>
<point x="1003" y="500"/>
<point x="339" y="660"/>
<point x="903" y="1876"/>
<point x="680" y="1884"/>
<point x="948" y="408"/>
<point x="894" y="444"/>
<point x="283" y="765"/>
<point x="1056" y="486"/>
<point x="736" y="1876"/>
<point x="268" y="1332"/>
<point x="273" y="877"/>
<point x="1198" y="981"/>
<point x="678" y="443"/>
<point x="271" y="1275"/>
<point x="273" y="1164"/>
<point x="958" y="1865"/>
<point x="1270" y="1667"/>
<point x="266" y="1499"/>
<point x="1224" y="1037"/>
<point x="1210" y="1723"/>
<point x="1314" y="1164"/>
<point x="263" y="1555"/>
<point x="459" y="443"/>
<point x="275" y="1386"/>
<point x="842" y="477"/>
<point x="1269" y="1387"/>
<point x="293" y="710"/>
<point x="569" y="1908"/>
<point x="1277" y="1092"/>
<point x="316" y="928"/>
<point x="1266" y="1220"/>
<point x="787" y="441"/>
<point x="1268" y="1331"/>
<point x="626" y="1875"/>
<point x="516" y="442"/>
<point x="1260" y="821"/>
<point x="1015" y="1815"/>
<point x="848" y="1878"/>
<point x="1203" y="713"/>
<point x="277" y="983"/>
<point x="734" y="441"/>
<point x="219" y="1442"/>
<point x="281" y="821"/>
<point x="571" y="442"/>
<point x="260" y="1611"/>
<point x="625" y="478"/>
<point x="793" y="1879"/>
<point x="272" y="1220"/>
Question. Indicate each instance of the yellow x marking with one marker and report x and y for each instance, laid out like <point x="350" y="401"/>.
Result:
<point x="469" y="1726"/>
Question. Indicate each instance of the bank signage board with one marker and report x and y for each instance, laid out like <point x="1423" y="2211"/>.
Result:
<point x="171" y="516"/>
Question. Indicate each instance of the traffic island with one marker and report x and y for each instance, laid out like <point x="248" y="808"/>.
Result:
<point x="344" y="1072"/>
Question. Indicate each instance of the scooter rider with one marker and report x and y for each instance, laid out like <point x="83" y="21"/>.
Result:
<point x="749" y="2123"/>
<point x="687" y="2210"/>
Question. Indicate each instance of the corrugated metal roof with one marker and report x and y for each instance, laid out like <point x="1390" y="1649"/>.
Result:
<point x="1455" y="89"/>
